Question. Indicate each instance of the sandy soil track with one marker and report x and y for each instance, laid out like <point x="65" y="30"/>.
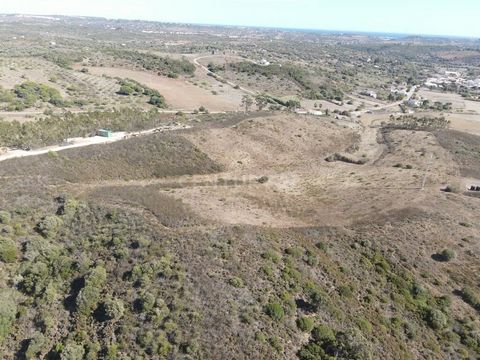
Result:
<point x="81" y="142"/>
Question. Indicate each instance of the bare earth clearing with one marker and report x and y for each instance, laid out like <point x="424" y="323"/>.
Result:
<point x="179" y="94"/>
<point x="302" y="188"/>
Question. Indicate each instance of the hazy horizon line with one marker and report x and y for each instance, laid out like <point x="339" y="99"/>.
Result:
<point x="307" y="30"/>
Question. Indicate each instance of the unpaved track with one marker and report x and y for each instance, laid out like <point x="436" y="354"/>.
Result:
<point x="81" y="142"/>
<point x="386" y="106"/>
<point x="195" y="61"/>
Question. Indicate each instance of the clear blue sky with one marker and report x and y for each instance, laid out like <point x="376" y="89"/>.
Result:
<point x="437" y="17"/>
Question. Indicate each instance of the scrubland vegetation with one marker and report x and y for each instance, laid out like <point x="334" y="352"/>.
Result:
<point x="315" y="222"/>
<point x="161" y="65"/>
<point x="28" y="94"/>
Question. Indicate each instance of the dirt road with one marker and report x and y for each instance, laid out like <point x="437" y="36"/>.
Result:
<point x="195" y="61"/>
<point x="81" y="142"/>
<point x="386" y="106"/>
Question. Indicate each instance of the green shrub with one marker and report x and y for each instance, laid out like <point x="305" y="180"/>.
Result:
<point x="260" y="336"/>
<point x="158" y="101"/>
<point x="114" y="309"/>
<point x="276" y="343"/>
<point x="161" y="345"/>
<point x="29" y="92"/>
<point x="345" y="291"/>
<point x="323" y="334"/>
<point x="8" y="310"/>
<point x="275" y="311"/>
<point x="471" y="297"/>
<point x="312" y="351"/>
<point x="72" y="351"/>
<point x="87" y="299"/>
<point x="236" y="282"/>
<point x="444" y="302"/>
<point x="322" y="246"/>
<point x="365" y="325"/>
<point x="68" y="206"/>
<point x="8" y="250"/>
<point x="317" y="297"/>
<point x="35" y="278"/>
<point x="436" y="319"/>
<point x="410" y="330"/>
<point x="311" y="258"/>
<point x="289" y="304"/>
<point x="381" y="264"/>
<point x="35" y="345"/>
<point x="126" y="90"/>
<point x="272" y="255"/>
<point x="49" y="226"/>
<point x="156" y="343"/>
<point x="295" y="251"/>
<point x="351" y="345"/>
<point x="305" y="324"/>
<point x="447" y="255"/>
<point x="5" y="217"/>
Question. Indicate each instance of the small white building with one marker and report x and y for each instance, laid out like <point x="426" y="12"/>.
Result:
<point x="264" y="62"/>
<point x="415" y="103"/>
<point x="369" y="93"/>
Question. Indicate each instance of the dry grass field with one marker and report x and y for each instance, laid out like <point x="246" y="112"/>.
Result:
<point x="179" y="93"/>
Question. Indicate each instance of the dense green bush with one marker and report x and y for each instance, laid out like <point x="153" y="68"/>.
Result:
<point x="72" y="351"/>
<point x="114" y="309"/>
<point x="89" y="295"/>
<point x="272" y="255"/>
<point x="8" y="250"/>
<point x="5" y="217"/>
<point x="312" y="351"/>
<point x="131" y="87"/>
<point x="126" y="90"/>
<point x="154" y="342"/>
<point x="311" y="258"/>
<point x="305" y="324"/>
<point x="236" y="282"/>
<point x="447" y="255"/>
<point x="436" y="319"/>
<point x="158" y="101"/>
<point x="316" y="296"/>
<point x="35" y="345"/>
<point x="27" y="94"/>
<point x="275" y="311"/>
<point x="471" y="297"/>
<point x="49" y="225"/>
<point x="163" y="65"/>
<point x="8" y="310"/>
<point x="323" y="334"/>
<point x="326" y="344"/>
<point x="35" y="278"/>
